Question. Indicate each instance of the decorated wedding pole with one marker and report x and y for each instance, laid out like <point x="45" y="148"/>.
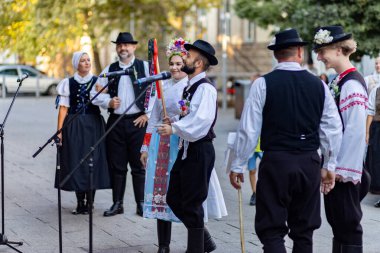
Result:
<point x="155" y="69"/>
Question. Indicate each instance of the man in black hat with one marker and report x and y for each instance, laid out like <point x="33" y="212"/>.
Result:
<point x="342" y="204"/>
<point x="125" y="140"/>
<point x="189" y="178"/>
<point x="295" y="114"/>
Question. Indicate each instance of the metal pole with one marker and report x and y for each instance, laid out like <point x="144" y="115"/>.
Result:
<point x="225" y="18"/>
<point x="38" y="86"/>
<point x="3" y="87"/>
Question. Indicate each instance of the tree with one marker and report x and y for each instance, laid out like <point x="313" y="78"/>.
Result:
<point x="53" y="28"/>
<point x="360" y="17"/>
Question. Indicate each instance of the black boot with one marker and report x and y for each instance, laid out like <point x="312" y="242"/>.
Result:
<point x="118" y="189"/>
<point x="209" y="244"/>
<point x="195" y="243"/>
<point x="352" y="248"/>
<point x="336" y="248"/>
<point x="81" y="207"/>
<point x="90" y="206"/>
<point x="164" y="232"/>
<point x="138" y="182"/>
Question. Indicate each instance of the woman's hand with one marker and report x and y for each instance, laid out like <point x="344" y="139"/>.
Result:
<point x="144" y="158"/>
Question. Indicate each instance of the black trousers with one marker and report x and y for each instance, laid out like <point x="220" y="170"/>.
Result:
<point x="188" y="186"/>
<point x="343" y="212"/>
<point x="288" y="200"/>
<point x="123" y="148"/>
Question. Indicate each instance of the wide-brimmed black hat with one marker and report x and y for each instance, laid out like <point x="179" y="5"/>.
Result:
<point x="286" y="38"/>
<point x="205" y="49"/>
<point x="125" y="37"/>
<point x="327" y="35"/>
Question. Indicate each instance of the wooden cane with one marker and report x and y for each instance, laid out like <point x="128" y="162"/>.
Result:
<point x="241" y="221"/>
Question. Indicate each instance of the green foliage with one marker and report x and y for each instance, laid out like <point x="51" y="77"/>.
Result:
<point x="360" y="17"/>
<point x="53" y="28"/>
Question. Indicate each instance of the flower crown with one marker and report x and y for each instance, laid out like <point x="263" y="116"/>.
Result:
<point x="176" y="47"/>
<point x="323" y="37"/>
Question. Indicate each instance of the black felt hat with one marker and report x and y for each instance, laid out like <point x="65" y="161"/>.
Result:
<point x="286" y="38"/>
<point x="205" y="49"/>
<point x="125" y="37"/>
<point x="327" y="35"/>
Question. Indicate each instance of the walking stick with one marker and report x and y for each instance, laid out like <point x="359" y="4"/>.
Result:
<point x="241" y="221"/>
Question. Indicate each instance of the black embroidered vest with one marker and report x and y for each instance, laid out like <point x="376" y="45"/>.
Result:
<point x="138" y="66"/>
<point x="354" y="75"/>
<point x="188" y="94"/>
<point x="80" y="95"/>
<point x="292" y="111"/>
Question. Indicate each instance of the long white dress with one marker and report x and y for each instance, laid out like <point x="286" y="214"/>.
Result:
<point x="155" y="198"/>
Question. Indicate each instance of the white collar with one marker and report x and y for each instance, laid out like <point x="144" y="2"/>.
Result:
<point x="81" y="79"/>
<point x="196" y="78"/>
<point x="125" y="66"/>
<point x="292" y="66"/>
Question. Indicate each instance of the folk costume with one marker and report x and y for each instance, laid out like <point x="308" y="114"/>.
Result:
<point x="372" y="81"/>
<point x="81" y="134"/>
<point x="162" y="153"/>
<point x="295" y="114"/>
<point x="190" y="175"/>
<point x="342" y="204"/>
<point x="125" y="140"/>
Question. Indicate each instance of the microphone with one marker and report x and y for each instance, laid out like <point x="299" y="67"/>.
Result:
<point x="117" y="73"/>
<point x="23" y="77"/>
<point x="162" y="76"/>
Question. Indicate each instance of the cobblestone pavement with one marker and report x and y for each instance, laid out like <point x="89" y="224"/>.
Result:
<point x="31" y="214"/>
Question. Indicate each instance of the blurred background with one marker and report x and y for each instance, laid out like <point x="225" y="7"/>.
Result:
<point x="43" y="34"/>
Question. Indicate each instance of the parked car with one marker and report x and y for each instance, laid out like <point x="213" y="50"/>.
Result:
<point x="36" y="80"/>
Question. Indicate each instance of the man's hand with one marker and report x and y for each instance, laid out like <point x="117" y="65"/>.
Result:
<point x="166" y="120"/>
<point x="236" y="179"/>
<point x="114" y="103"/>
<point x="141" y="121"/>
<point x="98" y="87"/>
<point x="327" y="180"/>
<point x="164" y="129"/>
<point x="144" y="158"/>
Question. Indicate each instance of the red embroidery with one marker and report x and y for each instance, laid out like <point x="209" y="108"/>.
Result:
<point x="352" y="104"/>
<point x="354" y="95"/>
<point x="147" y="138"/>
<point x="350" y="170"/>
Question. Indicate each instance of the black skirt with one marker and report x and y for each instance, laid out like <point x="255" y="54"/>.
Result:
<point x="77" y="139"/>
<point x="373" y="156"/>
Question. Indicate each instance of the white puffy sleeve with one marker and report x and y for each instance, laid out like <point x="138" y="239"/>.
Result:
<point x="63" y="90"/>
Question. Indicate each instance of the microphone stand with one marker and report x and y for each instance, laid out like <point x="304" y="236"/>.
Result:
<point x="3" y="239"/>
<point x="89" y="158"/>
<point x="57" y="142"/>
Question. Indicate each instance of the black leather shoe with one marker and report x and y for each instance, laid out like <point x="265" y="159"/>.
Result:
<point x="163" y="249"/>
<point x="209" y="244"/>
<point x="116" y="208"/>
<point x="81" y="208"/>
<point x="377" y="204"/>
<point x="140" y="208"/>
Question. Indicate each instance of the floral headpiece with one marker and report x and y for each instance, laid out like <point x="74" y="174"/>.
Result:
<point x="322" y="37"/>
<point x="176" y="47"/>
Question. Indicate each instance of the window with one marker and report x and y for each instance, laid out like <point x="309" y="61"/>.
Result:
<point x="249" y="31"/>
<point x="9" y="72"/>
<point x="29" y="72"/>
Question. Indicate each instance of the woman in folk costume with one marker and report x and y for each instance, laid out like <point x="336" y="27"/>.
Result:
<point x="342" y="204"/>
<point x="82" y="133"/>
<point x="158" y="154"/>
